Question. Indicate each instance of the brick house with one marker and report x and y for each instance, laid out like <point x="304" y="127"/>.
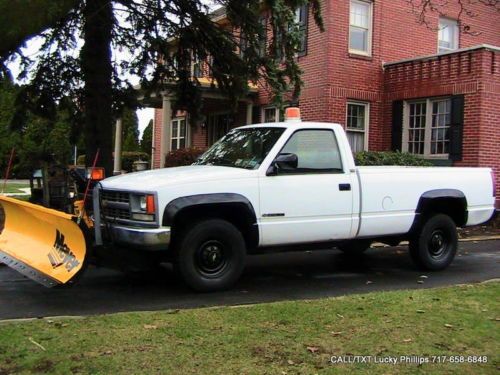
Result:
<point x="392" y="83"/>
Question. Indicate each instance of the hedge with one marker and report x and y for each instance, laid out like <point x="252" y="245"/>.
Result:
<point x="367" y="158"/>
<point x="183" y="156"/>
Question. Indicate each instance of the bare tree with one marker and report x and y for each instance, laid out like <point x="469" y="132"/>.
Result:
<point x="466" y="10"/>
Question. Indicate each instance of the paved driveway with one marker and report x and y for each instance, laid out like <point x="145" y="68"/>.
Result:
<point x="267" y="278"/>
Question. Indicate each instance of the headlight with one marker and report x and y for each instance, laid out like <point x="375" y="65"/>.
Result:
<point x="142" y="203"/>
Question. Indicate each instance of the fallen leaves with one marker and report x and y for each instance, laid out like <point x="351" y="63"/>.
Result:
<point x="313" y="349"/>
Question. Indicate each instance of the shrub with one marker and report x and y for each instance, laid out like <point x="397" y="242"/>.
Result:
<point x="183" y="156"/>
<point x="366" y="158"/>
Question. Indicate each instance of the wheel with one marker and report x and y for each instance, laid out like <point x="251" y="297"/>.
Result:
<point x="435" y="244"/>
<point x="355" y="247"/>
<point x="211" y="255"/>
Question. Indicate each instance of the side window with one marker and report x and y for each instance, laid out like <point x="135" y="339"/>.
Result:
<point x="317" y="151"/>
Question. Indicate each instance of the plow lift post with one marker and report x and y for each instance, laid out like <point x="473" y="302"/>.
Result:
<point x="48" y="246"/>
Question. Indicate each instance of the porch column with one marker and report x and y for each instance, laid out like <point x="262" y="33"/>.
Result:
<point x="165" y="129"/>
<point x="249" y="113"/>
<point x="117" y="169"/>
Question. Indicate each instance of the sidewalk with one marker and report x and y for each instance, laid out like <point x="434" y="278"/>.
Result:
<point x="25" y="191"/>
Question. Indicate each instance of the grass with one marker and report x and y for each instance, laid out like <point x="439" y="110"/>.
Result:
<point x="13" y="188"/>
<point x="278" y="338"/>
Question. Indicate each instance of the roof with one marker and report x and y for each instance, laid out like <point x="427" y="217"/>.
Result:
<point x="218" y="13"/>
<point x="438" y="55"/>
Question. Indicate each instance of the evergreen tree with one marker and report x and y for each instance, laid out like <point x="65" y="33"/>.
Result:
<point x="130" y="131"/>
<point x="147" y="138"/>
<point x="144" y="29"/>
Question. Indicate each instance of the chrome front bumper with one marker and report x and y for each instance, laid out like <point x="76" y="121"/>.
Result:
<point x="141" y="238"/>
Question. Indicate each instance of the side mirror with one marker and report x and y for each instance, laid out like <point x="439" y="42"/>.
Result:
<point x="286" y="162"/>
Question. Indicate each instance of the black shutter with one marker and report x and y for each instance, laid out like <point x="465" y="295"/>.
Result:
<point x="397" y="125"/>
<point x="456" y="127"/>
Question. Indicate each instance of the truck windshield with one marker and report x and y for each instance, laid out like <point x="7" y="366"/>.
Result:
<point x="242" y="148"/>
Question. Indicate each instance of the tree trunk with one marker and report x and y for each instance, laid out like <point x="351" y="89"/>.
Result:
<point x="97" y="74"/>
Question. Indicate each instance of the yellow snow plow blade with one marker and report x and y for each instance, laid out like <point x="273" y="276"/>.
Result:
<point x="45" y="245"/>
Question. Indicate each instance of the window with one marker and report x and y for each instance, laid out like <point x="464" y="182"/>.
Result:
<point x="243" y="45"/>
<point x="360" y="27"/>
<point x="242" y="148"/>
<point x="426" y="127"/>
<point x="197" y="66"/>
<point x="416" y="128"/>
<point x="178" y="139"/>
<point x="357" y="125"/>
<point x="447" y="35"/>
<point x="301" y="15"/>
<point x="317" y="152"/>
<point x="271" y="114"/>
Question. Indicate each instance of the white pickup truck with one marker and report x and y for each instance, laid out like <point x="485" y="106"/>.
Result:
<point x="289" y="185"/>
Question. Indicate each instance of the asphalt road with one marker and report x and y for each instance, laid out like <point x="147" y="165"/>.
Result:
<point x="273" y="277"/>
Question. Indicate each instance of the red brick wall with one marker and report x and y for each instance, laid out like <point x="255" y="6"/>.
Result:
<point x="157" y="131"/>
<point x="332" y="76"/>
<point x="476" y="74"/>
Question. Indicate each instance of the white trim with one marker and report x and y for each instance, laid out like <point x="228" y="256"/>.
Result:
<point x="367" y="121"/>
<point x="487" y="47"/>
<point x="428" y="126"/>
<point x="368" y="51"/>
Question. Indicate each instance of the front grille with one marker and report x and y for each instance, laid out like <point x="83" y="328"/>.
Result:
<point x="115" y="204"/>
<point x="115" y="196"/>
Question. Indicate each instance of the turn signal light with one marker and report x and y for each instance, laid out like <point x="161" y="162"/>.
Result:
<point x="150" y="204"/>
<point x="96" y="174"/>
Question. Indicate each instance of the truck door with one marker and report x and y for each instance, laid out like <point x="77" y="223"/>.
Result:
<point x="311" y="202"/>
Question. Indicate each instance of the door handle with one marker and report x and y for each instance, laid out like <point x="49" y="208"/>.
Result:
<point x="345" y="187"/>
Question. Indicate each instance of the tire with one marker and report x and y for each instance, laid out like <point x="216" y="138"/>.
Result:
<point x="434" y="246"/>
<point x="355" y="247"/>
<point x="211" y="255"/>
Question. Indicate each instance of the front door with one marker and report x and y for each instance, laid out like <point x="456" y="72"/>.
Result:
<point x="218" y="126"/>
<point x="310" y="203"/>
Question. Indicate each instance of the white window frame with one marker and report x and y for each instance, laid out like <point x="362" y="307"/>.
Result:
<point x="277" y="113"/>
<point x="428" y="127"/>
<point x="367" y="121"/>
<point x="177" y="137"/>
<point x="448" y="22"/>
<point x="368" y="52"/>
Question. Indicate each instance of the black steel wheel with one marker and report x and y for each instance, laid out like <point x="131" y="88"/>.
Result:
<point x="434" y="246"/>
<point x="211" y="255"/>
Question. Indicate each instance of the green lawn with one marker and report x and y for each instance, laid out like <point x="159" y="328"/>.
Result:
<point x="13" y="188"/>
<point x="278" y="338"/>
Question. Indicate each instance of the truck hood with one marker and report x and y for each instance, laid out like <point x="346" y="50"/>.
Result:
<point x="154" y="179"/>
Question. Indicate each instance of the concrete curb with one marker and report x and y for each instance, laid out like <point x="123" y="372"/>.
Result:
<point x="470" y="239"/>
